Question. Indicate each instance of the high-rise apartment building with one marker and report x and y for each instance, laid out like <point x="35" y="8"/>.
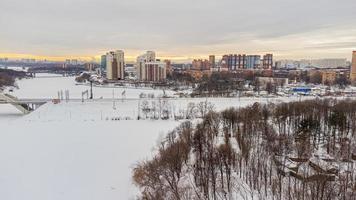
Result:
<point x="149" y="56"/>
<point x="241" y="62"/>
<point x="169" y="68"/>
<point x="212" y="61"/>
<point x="267" y="61"/>
<point x="74" y="62"/>
<point x="253" y="61"/>
<point x="149" y="69"/>
<point x="103" y="62"/>
<point x="155" y="71"/>
<point x="234" y="62"/>
<point x="115" y="65"/>
<point x="353" y="68"/>
<point x="226" y="61"/>
<point x="89" y="66"/>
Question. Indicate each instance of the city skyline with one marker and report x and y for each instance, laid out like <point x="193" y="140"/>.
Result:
<point x="58" y="30"/>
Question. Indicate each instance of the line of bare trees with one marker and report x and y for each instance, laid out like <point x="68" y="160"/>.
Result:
<point x="297" y="150"/>
<point x="164" y="109"/>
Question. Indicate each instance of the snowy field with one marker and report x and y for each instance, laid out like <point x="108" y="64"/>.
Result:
<point x="8" y="113"/>
<point x="75" y="150"/>
<point x="74" y="161"/>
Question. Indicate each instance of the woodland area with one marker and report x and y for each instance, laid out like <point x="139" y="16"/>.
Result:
<point x="289" y="151"/>
<point x="7" y="77"/>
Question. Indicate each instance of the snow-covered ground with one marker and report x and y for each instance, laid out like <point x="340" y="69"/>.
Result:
<point x="8" y="113"/>
<point x="75" y="150"/>
<point x="74" y="161"/>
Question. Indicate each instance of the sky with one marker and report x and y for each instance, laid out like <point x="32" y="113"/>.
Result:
<point x="177" y="29"/>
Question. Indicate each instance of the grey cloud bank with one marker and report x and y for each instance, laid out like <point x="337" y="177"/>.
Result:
<point x="291" y="28"/>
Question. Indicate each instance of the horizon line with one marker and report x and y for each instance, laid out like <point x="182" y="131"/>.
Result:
<point x="132" y="58"/>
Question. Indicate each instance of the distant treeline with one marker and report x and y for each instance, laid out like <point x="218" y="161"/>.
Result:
<point x="74" y="70"/>
<point x="8" y="77"/>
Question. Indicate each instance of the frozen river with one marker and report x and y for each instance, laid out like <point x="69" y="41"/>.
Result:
<point x="47" y="86"/>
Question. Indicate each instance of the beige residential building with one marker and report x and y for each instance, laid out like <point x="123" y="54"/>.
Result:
<point x="115" y="65"/>
<point x="149" y="56"/>
<point x="149" y="69"/>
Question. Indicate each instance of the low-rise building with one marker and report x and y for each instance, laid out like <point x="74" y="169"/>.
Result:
<point x="200" y="64"/>
<point x="328" y="77"/>
<point x="263" y="81"/>
<point x="198" y="74"/>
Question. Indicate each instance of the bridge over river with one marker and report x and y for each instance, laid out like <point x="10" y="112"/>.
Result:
<point x="23" y="105"/>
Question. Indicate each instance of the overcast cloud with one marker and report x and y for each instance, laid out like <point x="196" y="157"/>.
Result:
<point x="187" y="28"/>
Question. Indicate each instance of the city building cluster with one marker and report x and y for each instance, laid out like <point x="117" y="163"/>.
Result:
<point x="233" y="62"/>
<point x="242" y="61"/>
<point x="148" y="67"/>
<point x="230" y="63"/>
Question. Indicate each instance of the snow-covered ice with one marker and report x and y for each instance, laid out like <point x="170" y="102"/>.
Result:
<point x="48" y="85"/>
